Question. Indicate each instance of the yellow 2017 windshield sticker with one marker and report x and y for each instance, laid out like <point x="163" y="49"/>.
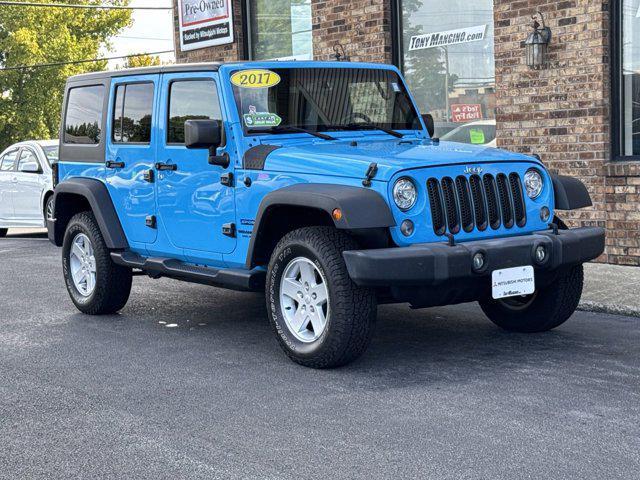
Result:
<point x="255" y="79"/>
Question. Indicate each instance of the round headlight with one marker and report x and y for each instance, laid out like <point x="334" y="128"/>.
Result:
<point x="405" y="194"/>
<point x="533" y="183"/>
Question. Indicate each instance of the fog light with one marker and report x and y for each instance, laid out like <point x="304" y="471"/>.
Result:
<point x="541" y="254"/>
<point x="545" y="214"/>
<point x="407" y="228"/>
<point x="478" y="261"/>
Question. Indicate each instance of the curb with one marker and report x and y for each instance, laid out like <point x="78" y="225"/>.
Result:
<point x="588" y="306"/>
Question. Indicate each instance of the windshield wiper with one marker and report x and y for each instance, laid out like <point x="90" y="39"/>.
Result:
<point x="366" y="126"/>
<point x="290" y="128"/>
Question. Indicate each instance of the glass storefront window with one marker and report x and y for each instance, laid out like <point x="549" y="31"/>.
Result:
<point x="449" y="63"/>
<point x="630" y="80"/>
<point x="280" y="29"/>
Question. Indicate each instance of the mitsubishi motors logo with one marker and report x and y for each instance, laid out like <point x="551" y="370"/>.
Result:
<point x="473" y="170"/>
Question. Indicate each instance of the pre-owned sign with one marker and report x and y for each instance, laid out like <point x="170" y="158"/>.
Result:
<point x="205" y="23"/>
<point x="448" y="37"/>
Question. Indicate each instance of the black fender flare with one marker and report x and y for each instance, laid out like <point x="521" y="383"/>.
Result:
<point x="570" y="193"/>
<point x="97" y="196"/>
<point x="361" y="208"/>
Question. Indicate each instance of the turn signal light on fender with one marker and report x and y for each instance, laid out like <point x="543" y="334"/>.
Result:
<point x="337" y="214"/>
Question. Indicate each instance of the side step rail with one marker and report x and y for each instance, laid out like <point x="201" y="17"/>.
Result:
<point x="234" y="279"/>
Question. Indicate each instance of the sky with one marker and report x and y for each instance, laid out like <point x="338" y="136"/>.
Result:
<point x="152" y="31"/>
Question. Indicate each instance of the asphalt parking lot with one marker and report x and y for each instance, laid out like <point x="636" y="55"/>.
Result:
<point x="189" y="382"/>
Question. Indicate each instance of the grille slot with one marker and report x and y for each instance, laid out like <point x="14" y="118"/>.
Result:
<point x="476" y="203"/>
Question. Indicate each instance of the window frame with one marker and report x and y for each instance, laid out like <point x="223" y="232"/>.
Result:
<point x="124" y="101"/>
<point x="168" y="110"/>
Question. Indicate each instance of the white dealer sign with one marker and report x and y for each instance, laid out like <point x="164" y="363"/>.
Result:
<point x="449" y="37"/>
<point x="205" y="23"/>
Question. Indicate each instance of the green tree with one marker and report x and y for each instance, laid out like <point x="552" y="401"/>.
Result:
<point x="142" y="61"/>
<point x="30" y="99"/>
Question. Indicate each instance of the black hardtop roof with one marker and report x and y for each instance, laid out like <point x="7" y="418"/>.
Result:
<point x="127" y="72"/>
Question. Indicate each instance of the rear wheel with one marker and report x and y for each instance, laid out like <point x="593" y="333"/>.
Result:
<point x="95" y="283"/>
<point x="3" y="232"/>
<point x="544" y="310"/>
<point x="48" y="209"/>
<point x="321" y="318"/>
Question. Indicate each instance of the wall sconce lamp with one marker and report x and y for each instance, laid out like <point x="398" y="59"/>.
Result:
<point x="537" y="43"/>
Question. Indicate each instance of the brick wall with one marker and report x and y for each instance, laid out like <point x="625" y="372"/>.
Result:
<point x="362" y="27"/>
<point x="221" y="53"/>
<point x="562" y="112"/>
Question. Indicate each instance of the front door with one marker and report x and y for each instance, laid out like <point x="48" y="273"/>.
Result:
<point x="193" y="204"/>
<point x="130" y="156"/>
<point x="28" y="194"/>
<point x="7" y="185"/>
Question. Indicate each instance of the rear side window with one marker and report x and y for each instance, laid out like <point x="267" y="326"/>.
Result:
<point x="8" y="161"/>
<point x="191" y="100"/>
<point x="83" y="122"/>
<point x="132" y="113"/>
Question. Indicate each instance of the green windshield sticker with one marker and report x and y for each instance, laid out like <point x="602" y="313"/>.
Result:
<point x="476" y="136"/>
<point x="255" y="119"/>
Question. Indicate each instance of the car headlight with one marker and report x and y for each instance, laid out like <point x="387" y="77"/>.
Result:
<point x="405" y="193"/>
<point x="533" y="183"/>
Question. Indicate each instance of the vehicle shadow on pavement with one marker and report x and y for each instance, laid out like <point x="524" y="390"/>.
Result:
<point x="440" y="345"/>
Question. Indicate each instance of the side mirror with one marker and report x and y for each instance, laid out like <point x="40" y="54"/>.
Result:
<point x="429" y="123"/>
<point x="29" y="167"/>
<point x="206" y="134"/>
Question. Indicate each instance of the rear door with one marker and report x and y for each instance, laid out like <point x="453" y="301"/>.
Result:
<point x="28" y="192"/>
<point x="7" y="184"/>
<point x="130" y="155"/>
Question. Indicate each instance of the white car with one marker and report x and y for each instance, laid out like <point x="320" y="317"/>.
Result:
<point x="481" y="132"/>
<point x="26" y="184"/>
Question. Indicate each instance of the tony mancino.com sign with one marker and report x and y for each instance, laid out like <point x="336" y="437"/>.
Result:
<point x="449" y="37"/>
<point x="205" y="23"/>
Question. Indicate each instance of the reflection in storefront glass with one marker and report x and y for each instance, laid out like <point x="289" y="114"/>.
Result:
<point x="631" y="77"/>
<point x="448" y="60"/>
<point x="281" y="29"/>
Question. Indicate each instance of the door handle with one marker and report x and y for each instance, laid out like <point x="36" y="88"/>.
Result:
<point x="166" y="166"/>
<point x="112" y="164"/>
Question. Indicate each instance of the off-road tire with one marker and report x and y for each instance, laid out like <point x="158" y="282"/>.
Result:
<point x="549" y="308"/>
<point x="113" y="282"/>
<point x="3" y="232"/>
<point x="353" y="309"/>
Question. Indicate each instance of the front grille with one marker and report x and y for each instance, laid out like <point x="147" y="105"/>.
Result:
<point x="476" y="203"/>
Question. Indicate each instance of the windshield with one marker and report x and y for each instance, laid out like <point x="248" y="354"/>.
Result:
<point x="323" y="99"/>
<point x="51" y="152"/>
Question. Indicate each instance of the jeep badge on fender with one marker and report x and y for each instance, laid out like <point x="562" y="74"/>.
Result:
<point x="260" y="177"/>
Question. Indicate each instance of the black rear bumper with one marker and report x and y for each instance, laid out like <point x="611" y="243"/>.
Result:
<point x="448" y="271"/>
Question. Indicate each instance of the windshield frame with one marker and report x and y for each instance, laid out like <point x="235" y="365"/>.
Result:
<point x="420" y="130"/>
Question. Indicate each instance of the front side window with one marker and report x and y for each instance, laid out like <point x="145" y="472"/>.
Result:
<point x="8" y="161"/>
<point x="629" y="74"/>
<point x="323" y="99"/>
<point x="449" y="62"/>
<point x="191" y="100"/>
<point x="280" y="29"/>
<point x="83" y="121"/>
<point x="132" y="113"/>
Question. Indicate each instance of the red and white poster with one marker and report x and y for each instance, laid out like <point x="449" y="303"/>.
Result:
<point x="462" y="112"/>
<point x="205" y="23"/>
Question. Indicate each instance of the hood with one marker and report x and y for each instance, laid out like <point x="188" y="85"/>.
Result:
<point x="351" y="158"/>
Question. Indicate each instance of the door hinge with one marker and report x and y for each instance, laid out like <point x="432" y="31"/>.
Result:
<point x="149" y="176"/>
<point x="150" y="221"/>
<point x="226" y="179"/>
<point x="229" y="229"/>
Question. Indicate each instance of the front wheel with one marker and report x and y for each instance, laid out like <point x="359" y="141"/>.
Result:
<point x="544" y="310"/>
<point x="321" y="318"/>
<point x="95" y="283"/>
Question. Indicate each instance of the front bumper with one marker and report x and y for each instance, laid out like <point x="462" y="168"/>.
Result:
<point x="447" y="271"/>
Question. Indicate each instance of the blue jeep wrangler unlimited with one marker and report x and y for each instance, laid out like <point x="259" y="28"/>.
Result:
<point x="317" y="182"/>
